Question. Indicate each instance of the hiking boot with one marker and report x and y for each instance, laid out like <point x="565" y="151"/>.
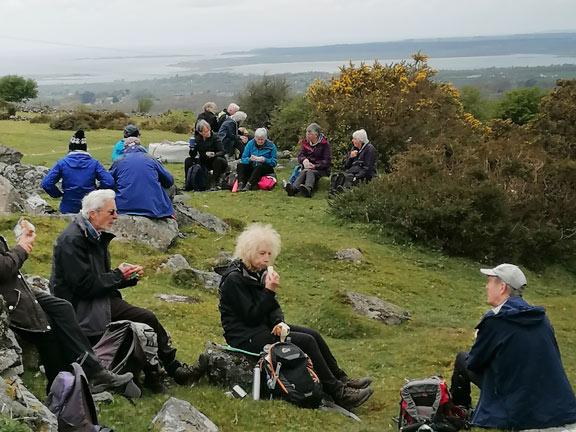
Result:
<point x="351" y="398"/>
<point x="290" y="191"/>
<point x="154" y="381"/>
<point x="246" y="188"/>
<point x="357" y="383"/>
<point x="186" y="375"/>
<point x="305" y="191"/>
<point x="104" y="380"/>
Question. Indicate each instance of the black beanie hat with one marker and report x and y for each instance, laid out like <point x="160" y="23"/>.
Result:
<point x="78" y="141"/>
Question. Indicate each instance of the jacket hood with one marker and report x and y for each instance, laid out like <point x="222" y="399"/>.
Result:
<point x="518" y="311"/>
<point x="78" y="159"/>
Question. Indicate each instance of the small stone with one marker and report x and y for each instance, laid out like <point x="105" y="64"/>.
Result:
<point x="173" y="264"/>
<point x="173" y="298"/>
<point x="353" y="255"/>
<point x="177" y="415"/>
<point x="377" y="309"/>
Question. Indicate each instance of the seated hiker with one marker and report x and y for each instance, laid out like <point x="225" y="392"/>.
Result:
<point x="360" y="164"/>
<point x="228" y="133"/>
<point x="129" y="131"/>
<point x="79" y="173"/>
<point x="209" y="116"/>
<point x="515" y="361"/>
<point x="259" y="159"/>
<point x="81" y="274"/>
<point x="250" y="314"/>
<point x="210" y="153"/>
<point x="226" y="113"/>
<point x="140" y="181"/>
<point x="315" y="159"/>
<point x="48" y="322"/>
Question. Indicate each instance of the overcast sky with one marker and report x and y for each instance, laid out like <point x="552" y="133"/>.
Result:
<point x="97" y="26"/>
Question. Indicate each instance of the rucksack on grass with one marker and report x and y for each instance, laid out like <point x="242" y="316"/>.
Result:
<point x="287" y="373"/>
<point x="195" y="178"/>
<point x="427" y="402"/>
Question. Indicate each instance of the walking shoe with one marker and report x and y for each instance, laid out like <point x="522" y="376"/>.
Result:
<point x="357" y="383"/>
<point x="154" y="381"/>
<point x="105" y="380"/>
<point x="351" y="398"/>
<point x="305" y="191"/>
<point x="290" y="190"/>
<point x="246" y="188"/>
<point x="186" y="375"/>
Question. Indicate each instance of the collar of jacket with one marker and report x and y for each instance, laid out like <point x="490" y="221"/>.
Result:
<point x="105" y="237"/>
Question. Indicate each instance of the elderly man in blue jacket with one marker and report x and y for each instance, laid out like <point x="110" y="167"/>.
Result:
<point x="515" y="361"/>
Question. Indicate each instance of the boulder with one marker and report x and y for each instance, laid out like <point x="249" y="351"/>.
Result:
<point x="21" y="405"/>
<point x="177" y="415"/>
<point x="223" y="259"/>
<point x="192" y="276"/>
<point x="37" y="282"/>
<point x="159" y="233"/>
<point x="377" y="309"/>
<point x="174" y="263"/>
<point x="37" y="205"/>
<point x="187" y="215"/>
<point x="285" y="154"/>
<point x="10" y="199"/>
<point x="103" y="397"/>
<point x="353" y="255"/>
<point x="227" y="368"/>
<point x="168" y="151"/>
<point x="173" y="298"/>
<point x="9" y="155"/>
<point x="27" y="179"/>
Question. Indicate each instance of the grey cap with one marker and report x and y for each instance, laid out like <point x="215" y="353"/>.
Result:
<point x="508" y="273"/>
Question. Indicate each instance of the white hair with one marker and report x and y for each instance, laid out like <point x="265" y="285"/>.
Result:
<point x="255" y="236"/>
<point x="261" y="133"/>
<point x="94" y="201"/>
<point x="314" y="128"/>
<point x="233" y="107"/>
<point x="361" y="136"/>
<point x="200" y="125"/>
<point x="239" y="117"/>
<point x="209" y="106"/>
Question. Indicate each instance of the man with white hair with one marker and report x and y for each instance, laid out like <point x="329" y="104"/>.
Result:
<point x="225" y="114"/>
<point x="515" y="361"/>
<point x="229" y="136"/>
<point x="81" y="273"/>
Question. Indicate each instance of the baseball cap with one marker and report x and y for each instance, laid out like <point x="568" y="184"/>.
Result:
<point x="508" y="273"/>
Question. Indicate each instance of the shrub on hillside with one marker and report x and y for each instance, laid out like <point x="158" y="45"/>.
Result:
<point x="289" y="123"/>
<point x="261" y="98"/>
<point x="42" y="118"/>
<point x="88" y="120"/>
<point x="172" y="121"/>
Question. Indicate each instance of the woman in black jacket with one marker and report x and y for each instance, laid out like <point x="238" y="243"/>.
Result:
<point x="251" y="316"/>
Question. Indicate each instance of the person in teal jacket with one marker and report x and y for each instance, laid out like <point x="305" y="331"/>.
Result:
<point x="258" y="159"/>
<point x="129" y="131"/>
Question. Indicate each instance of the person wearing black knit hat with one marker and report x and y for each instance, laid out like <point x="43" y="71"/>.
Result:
<point x="79" y="173"/>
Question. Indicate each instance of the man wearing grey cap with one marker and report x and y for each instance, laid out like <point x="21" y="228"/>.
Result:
<point x="515" y="361"/>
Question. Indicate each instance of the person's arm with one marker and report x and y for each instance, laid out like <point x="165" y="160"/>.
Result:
<point x="50" y="180"/>
<point x="166" y="179"/>
<point x="272" y="158"/>
<point x="369" y="160"/>
<point x="252" y="309"/>
<point x="487" y="344"/>
<point x="326" y="160"/>
<point x="104" y="177"/>
<point x="247" y="153"/>
<point x="218" y="145"/>
<point x="349" y="159"/>
<point x="79" y="275"/>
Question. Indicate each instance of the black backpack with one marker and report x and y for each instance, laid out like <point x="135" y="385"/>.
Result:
<point x="195" y="178"/>
<point x="287" y="373"/>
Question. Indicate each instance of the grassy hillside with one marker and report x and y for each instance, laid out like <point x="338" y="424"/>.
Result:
<point x="444" y="295"/>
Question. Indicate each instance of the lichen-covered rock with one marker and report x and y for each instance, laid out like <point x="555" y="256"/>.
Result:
<point x="9" y="155"/>
<point x="174" y="298"/>
<point x="192" y="276"/>
<point x="177" y="415"/>
<point x="27" y="179"/>
<point x="37" y="205"/>
<point x="187" y="215"/>
<point x="159" y="233"/>
<point x="174" y="263"/>
<point x="226" y="368"/>
<point x="10" y="199"/>
<point x="353" y="255"/>
<point x="223" y="259"/>
<point x="377" y="309"/>
<point x="37" y="282"/>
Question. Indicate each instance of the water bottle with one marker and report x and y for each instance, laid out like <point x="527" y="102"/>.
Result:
<point x="256" y="383"/>
<point x="192" y="142"/>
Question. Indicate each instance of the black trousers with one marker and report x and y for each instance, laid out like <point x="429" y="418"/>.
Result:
<point x="248" y="173"/>
<point x="65" y="343"/>
<point x="122" y="310"/>
<point x="461" y="379"/>
<point x="307" y="177"/>
<point x="218" y="166"/>
<point x="313" y="344"/>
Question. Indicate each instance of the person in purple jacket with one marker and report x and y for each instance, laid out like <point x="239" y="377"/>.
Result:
<point x="315" y="160"/>
<point x="79" y="172"/>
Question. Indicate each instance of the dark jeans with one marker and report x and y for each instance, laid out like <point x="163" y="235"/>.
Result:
<point x="313" y="344"/>
<point x="252" y="174"/>
<point x="218" y="166"/>
<point x="122" y="310"/>
<point x="461" y="379"/>
<point x="65" y="343"/>
<point x="307" y="177"/>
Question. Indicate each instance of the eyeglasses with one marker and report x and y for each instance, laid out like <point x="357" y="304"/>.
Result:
<point x="112" y="212"/>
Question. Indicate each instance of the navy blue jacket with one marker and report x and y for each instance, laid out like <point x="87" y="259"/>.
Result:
<point x="524" y="385"/>
<point x="79" y="172"/>
<point x="228" y="134"/>
<point x="140" y="182"/>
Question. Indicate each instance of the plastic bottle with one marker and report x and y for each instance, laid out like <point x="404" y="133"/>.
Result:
<point x="256" y="383"/>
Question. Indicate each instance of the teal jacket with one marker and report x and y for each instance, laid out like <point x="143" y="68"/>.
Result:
<point x="268" y="150"/>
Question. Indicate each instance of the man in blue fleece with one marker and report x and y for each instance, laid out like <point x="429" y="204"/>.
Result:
<point x="515" y="361"/>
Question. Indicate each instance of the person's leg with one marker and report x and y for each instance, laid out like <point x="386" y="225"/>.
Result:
<point x="258" y="172"/>
<point x="220" y="165"/>
<point x="312" y="177"/>
<point x="258" y="341"/>
<point x="187" y="164"/>
<point x="244" y="171"/>
<point x="461" y="379"/>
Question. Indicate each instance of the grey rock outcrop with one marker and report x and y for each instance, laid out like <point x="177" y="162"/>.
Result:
<point x="223" y="259"/>
<point x="209" y="280"/>
<point x="159" y="233"/>
<point x="377" y="309"/>
<point x="10" y="199"/>
<point x="353" y="255"/>
<point x="177" y="415"/>
<point x="27" y="179"/>
<point x="174" y="298"/>
<point x="174" y="263"/>
<point x="37" y="205"/>
<point x="9" y="155"/>
<point x="285" y="154"/>
<point x="187" y="215"/>
<point x="227" y="368"/>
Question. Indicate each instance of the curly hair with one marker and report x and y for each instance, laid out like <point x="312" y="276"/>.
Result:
<point x="253" y="238"/>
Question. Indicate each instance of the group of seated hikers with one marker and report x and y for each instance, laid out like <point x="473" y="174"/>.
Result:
<point x="515" y="359"/>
